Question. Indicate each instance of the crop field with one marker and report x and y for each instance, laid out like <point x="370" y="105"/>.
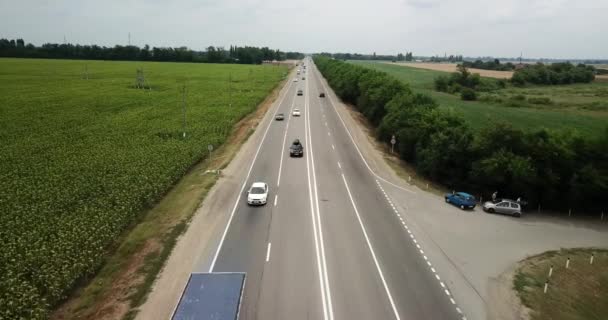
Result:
<point x="81" y="158"/>
<point x="451" y="67"/>
<point x="579" y="107"/>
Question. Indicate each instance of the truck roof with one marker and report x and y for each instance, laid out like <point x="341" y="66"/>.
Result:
<point x="211" y="296"/>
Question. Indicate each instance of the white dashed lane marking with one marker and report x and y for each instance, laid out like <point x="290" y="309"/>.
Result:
<point x="426" y="259"/>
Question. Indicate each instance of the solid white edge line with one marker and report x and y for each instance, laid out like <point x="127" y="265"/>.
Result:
<point x="313" y="217"/>
<point x="357" y="147"/>
<point x="371" y="249"/>
<point x="238" y="198"/>
<point x="320" y="227"/>
<point x="268" y="252"/>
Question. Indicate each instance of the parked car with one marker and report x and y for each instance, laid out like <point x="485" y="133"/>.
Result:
<point x="257" y="194"/>
<point x="296" y="149"/>
<point x="322" y="95"/>
<point x="296" y="112"/>
<point x="280" y="117"/>
<point x="462" y="200"/>
<point x="300" y="92"/>
<point x="504" y="206"/>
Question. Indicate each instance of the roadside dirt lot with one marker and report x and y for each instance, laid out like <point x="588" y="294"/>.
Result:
<point x="451" y="67"/>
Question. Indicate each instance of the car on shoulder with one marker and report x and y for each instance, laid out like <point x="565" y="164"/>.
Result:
<point x="504" y="206"/>
<point x="279" y="117"/>
<point x="462" y="200"/>
<point x="296" y="149"/>
<point x="322" y="95"/>
<point x="296" y="112"/>
<point x="257" y="194"/>
<point x="300" y="92"/>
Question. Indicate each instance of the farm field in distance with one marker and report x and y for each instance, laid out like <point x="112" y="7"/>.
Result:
<point x="580" y="107"/>
<point x="81" y="158"/>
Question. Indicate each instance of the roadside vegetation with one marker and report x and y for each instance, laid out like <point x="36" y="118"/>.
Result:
<point x="83" y="156"/>
<point x="559" y="170"/>
<point x="579" y="292"/>
<point x="582" y="108"/>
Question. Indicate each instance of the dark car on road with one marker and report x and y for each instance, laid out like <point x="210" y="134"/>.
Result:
<point x="322" y="95"/>
<point x="280" y="117"/>
<point x="462" y="200"/>
<point x="296" y="149"/>
<point x="300" y="92"/>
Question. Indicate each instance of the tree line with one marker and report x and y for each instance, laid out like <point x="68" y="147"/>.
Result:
<point x="559" y="170"/>
<point x="408" y="56"/>
<point x="246" y="55"/>
<point x="489" y="65"/>
<point x="553" y="74"/>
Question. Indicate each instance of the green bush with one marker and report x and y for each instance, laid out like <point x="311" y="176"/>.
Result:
<point x="468" y="94"/>
<point x="441" y="83"/>
<point x="553" y="74"/>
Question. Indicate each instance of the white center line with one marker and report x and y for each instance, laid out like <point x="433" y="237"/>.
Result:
<point x="332" y="146"/>
<point x="339" y="166"/>
<point x="283" y="147"/>
<point x="268" y="252"/>
<point x="276" y="196"/>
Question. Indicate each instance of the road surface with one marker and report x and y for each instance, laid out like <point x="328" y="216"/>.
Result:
<point x="329" y="244"/>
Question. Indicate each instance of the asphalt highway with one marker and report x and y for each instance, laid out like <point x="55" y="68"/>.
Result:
<point x="329" y="244"/>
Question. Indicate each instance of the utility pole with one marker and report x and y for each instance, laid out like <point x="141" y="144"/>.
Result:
<point x="129" y="39"/>
<point x="184" y="110"/>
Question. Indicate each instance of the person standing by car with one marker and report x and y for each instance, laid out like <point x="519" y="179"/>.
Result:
<point x="494" y="195"/>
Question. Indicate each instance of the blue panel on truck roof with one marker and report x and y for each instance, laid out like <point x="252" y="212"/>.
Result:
<point x="211" y="296"/>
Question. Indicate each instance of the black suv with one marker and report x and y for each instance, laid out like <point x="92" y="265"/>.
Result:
<point x="296" y="149"/>
<point x="322" y="95"/>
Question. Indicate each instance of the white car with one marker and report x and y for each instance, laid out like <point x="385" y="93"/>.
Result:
<point x="295" y="79"/>
<point x="296" y="112"/>
<point x="257" y="194"/>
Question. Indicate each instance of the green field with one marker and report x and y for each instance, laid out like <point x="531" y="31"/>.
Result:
<point x="81" y="159"/>
<point x="579" y="292"/>
<point x="580" y="107"/>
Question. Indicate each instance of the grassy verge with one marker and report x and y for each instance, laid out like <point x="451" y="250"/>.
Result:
<point x="577" y="293"/>
<point x="127" y="276"/>
<point x="581" y="107"/>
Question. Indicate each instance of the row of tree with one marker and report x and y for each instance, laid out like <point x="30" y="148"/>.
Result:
<point x="248" y="55"/>
<point x="408" y="56"/>
<point x="558" y="169"/>
<point x="489" y="65"/>
<point x="451" y="58"/>
<point x="553" y="74"/>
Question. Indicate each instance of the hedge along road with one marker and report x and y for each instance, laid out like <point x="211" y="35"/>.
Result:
<point x="82" y="157"/>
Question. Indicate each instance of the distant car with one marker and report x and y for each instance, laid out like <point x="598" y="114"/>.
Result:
<point x="296" y="149"/>
<point x="295" y="79"/>
<point x="322" y="95"/>
<point x="279" y="117"/>
<point x="462" y="200"/>
<point x="303" y="78"/>
<point x="296" y="112"/>
<point x="257" y="194"/>
<point x="504" y="206"/>
<point x="300" y="92"/>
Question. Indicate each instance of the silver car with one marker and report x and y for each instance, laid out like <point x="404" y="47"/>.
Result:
<point x="504" y="206"/>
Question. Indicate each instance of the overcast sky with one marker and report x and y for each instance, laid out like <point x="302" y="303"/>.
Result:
<point x="538" y="28"/>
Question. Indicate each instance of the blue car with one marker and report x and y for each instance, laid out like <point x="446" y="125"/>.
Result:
<point x="462" y="200"/>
